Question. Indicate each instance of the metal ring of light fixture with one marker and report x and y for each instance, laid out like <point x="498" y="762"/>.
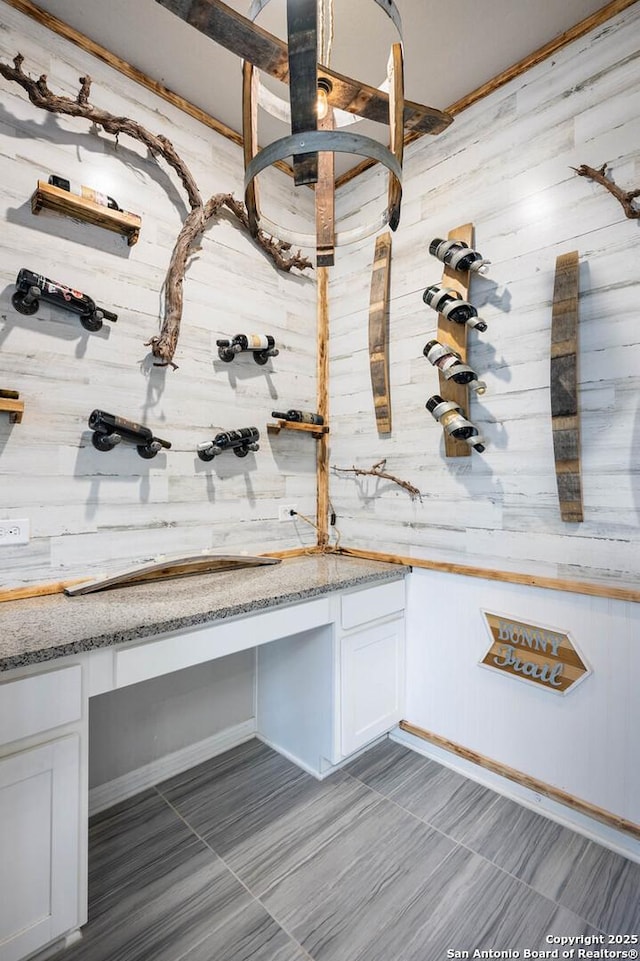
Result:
<point x="332" y="141"/>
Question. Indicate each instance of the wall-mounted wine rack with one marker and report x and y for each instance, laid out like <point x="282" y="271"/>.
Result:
<point x="70" y="205"/>
<point x="455" y="336"/>
<point x="316" y="430"/>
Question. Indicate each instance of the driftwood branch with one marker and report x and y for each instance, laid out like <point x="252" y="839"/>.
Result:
<point x="202" y="214"/>
<point x="378" y="470"/>
<point x="626" y="197"/>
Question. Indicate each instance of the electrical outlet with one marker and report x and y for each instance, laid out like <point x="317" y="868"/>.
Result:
<point x="287" y="512"/>
<point x="13" y="532"/>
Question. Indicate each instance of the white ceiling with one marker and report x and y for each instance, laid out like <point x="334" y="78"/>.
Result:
<point x="450" y="48"/>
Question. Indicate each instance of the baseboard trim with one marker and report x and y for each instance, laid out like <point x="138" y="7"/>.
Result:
<point x="596" y="830"/>
<point x="106" y="795"/>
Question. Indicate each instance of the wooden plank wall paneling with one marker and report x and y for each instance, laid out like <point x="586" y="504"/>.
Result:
<point x="92" y="511"/>
<point x="505" y="165"/>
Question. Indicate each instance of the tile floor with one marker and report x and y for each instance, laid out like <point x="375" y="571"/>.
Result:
<point x="394" y="858"/>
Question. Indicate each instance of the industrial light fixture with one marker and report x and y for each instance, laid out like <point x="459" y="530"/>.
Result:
<point x="320" y="102"/>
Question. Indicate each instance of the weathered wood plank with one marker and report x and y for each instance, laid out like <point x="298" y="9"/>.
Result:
<point x="62" y="202"/>
<point x="565" y="418"/>
<point x="322" y="378"/>
<point x="396" y="128"/>
<point x="250" y="139"/>
<point x="302" y="35"/>
<point x="325" y="200"/>
<point x="244" y="38"/>
<point x="532" y="783"/>
<point x="379" y="333"/>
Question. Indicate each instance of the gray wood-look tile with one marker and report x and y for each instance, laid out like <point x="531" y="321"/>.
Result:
<point x="442" y="797"/>
<point x="343" y="872"/>
<point x="599" y="885"/>
<point x="386" y="766"/>
<point x="224" y="799"/>
<point x="465" y="904"/>
<point x="289" y="836"/>
<point x="131" y="844"/>
<point x="167" y="916"/>
<point x="250" y="935"/>
<point x="339" y="900"/>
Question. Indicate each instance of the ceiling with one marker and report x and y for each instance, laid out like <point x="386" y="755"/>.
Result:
<point x="450" y="49"/>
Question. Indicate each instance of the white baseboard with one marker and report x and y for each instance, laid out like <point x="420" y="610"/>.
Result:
<point x="601" y="833"/>
<point x="106" y="795"/>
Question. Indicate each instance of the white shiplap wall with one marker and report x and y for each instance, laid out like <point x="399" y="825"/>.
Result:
<point x="94" y="511"/>
<point x="504" y="165"/>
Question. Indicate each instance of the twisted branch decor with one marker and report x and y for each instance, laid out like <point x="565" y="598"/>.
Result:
<point x="626" y="197"/>
<point x="378" y="470"/>
<point x="202" y="214"/>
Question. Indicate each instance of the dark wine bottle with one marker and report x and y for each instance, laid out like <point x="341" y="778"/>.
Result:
<point x="262" y="345"/>
<point x="87" y="193"/>
<point x="30" y="287"/>
<point x="452" y="368"/>
<point x="453" y="421"/>
<point x="458" y="255"/>
<point x="299" y="416"/>
<point x="110" y="430"/>
<point x="449" y="303"/>
<point x="239" y="441"/>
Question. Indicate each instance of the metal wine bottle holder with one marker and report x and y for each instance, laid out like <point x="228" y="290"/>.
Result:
<point x="239" y="441"/>
<point x="262" y="347"/>
<point x="110" y="430"/>
<point x="32" y="287"/>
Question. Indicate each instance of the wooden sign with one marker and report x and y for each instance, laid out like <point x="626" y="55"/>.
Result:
<point x="540" y="655"/>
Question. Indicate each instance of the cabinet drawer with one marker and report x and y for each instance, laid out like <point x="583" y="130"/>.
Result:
<point x="39" y="703"/>
<point x="359" y="607"/>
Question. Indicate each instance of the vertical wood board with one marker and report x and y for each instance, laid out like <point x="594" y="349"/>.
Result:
<point x="455" y="336"/>
<point x="379" y="333"/>
<point x="565" y="418"/>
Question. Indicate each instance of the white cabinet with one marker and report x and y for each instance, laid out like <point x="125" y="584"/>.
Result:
<point x="325" y="693"/>
<point x="372" y="683"/>
<point x="42" y="809"/>
<point x="39" y="839"/>
<point x="372" y="656"/>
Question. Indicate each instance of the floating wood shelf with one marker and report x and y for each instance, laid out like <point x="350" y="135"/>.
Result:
<point x="316" y="430"/>
<point x="70" y="205"/>
<point x="11" y="403"/>
<point x="455" y="336"/>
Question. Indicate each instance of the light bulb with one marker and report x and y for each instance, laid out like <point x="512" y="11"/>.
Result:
<point x="322" y="103"/>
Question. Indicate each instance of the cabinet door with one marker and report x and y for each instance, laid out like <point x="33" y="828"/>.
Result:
<point x="372" y="683"/>
<point x="39" y="812"/>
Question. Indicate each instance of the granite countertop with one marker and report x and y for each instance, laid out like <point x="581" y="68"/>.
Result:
<point x="43" y="628"/>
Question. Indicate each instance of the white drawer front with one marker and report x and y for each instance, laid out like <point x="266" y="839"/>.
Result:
<point x="359" y="607"/>
<point x="39" y="703"/>
<point x="178" y="650"/>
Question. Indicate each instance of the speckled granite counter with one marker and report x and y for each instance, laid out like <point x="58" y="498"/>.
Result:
<point x="44" y="628"/>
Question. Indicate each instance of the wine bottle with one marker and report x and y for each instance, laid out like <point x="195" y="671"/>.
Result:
<point x="298" y="416"/>
<point x="458" y="255"/>
<point x="87" y="193"/>
<point x="110" y="430"/>
<point x="30" y="287"/>
<point x="263" y="346"/>
<point x="239" y="441"/>
<point x="451" y="366"/>
<point x="453" y="421"/>
<point x="449" y="303"/>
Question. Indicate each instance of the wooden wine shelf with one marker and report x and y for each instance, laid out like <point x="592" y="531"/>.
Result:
<point x="455" y="336"/>
<point x="70" y="205"/>
<point x="10" y="402"/>
<point x="316" y="430"/>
